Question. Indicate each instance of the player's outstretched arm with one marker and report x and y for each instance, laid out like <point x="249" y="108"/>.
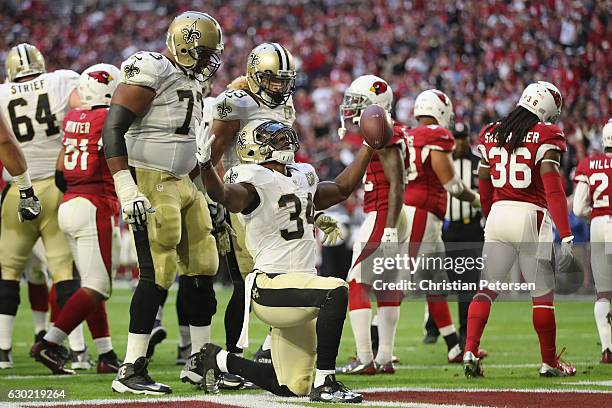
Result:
<point x="442" y="165"/>
<point x="11" y="154"/>
<point x="332" y="192"/>
<point x="393" y="167"/>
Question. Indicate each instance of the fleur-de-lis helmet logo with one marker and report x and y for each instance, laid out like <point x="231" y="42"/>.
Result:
<point x="191" y="33"/>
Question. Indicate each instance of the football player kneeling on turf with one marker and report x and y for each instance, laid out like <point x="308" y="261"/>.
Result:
<point x="276" y="199"/>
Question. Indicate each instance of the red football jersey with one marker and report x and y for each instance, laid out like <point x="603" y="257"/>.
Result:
<point x="516" y="176"/>
<point x="375" y="185"/>
<point x="596" y="171"/>
<point x="85" y="168"/>
<point x="423" y="189"/>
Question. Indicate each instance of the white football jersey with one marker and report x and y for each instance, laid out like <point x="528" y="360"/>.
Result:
<point x="164" y="138"/>
<point x="35" y="111"/>
<point x="242" y="105"/>
<point x="280" y="231"/>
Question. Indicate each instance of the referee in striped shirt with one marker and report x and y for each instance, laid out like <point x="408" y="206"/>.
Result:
<point x="462" y="224"/>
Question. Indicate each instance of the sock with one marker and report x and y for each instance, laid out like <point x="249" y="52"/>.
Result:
<point x="478" y="315"/>
<point x="388" y="318"/>
<point x="546" y="327"/>
<point x="320" y="376"/>
<point x="329" y="325"/>
<point x="199" y="337"/>
<point x="76" y="309"/>
<point x="440" y="313"/>
<point x="76" y="339"/>
<point x="6" y="331"/>
<point x="39" y="297"/>
<point x="136" y="347"/>
<point x="54" y="308"/>
<point x="56" y="336"/>
<point x="97" y="321"/>
<point x="40" y="321"/>
<point x="360" y="322"/>
<point x="184" y="336"/>
<point x="601" y="311"/>
<point x="267" y="344"/>
<point x="222" y="360"/>
<point x="103" y="344"/>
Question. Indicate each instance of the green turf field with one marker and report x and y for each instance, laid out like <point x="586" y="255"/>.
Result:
<point x="509" y="339"/>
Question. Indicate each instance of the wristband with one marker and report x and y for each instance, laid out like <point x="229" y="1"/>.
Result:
<point x="23" y="181"/>
<point x="124" y="185"/>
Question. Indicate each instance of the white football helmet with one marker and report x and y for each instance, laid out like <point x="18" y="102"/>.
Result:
<point x="263" y="141"/>
<point x="543" y="99"/>
<point x="436" y="104"/>
<point x="97" y="84"/>
<point x="606" y="135"/>
<point x="364" y="91"/>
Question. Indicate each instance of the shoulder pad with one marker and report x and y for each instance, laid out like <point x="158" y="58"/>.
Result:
<point x="439" y="138"/>
<point x="581" y="172"/>
<point x="145" y="69"/>
<point x="307" y="170"/>
<point x="66" y="74"/>
<point x="249" y="173"/>
<point x="233" y="104"/>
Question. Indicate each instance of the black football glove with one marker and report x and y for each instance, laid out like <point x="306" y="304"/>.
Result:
<point x="29" y="207"/>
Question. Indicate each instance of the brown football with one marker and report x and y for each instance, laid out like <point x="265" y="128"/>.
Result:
<point x="376" y="126"/>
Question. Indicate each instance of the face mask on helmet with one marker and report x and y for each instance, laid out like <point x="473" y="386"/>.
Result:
<point x="277" y="142"/>
<point x="207" y="62"/>
<point x="278" y="88"/>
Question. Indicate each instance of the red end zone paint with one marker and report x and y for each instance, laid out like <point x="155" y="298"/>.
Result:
<point x="495" y="398"/>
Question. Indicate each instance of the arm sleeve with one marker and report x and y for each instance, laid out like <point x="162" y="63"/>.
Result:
<point x="582" y="201"/>
<point x="556" y="202"/>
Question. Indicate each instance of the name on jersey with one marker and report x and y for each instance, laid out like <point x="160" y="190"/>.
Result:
<point x="29" y="87"/>
<point x="600" y="164"/>
<point x="77" y="127"/>
<point x="530" y="137"/>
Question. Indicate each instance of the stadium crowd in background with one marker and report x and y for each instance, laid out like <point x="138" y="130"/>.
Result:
<point x="480" y="53"/>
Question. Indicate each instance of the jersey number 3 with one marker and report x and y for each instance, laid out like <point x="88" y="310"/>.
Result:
<point x="43" y="116"/>
<point x="298" y="233"/>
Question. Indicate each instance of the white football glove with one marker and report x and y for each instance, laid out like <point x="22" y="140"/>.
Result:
<point x="566" y="254"/>
<point x="330" y="228"/>
<point x="204" y="140"/>
<point x="476" y="201"/>
<point x="134" y="205"/>
<point x="390" y="242"/>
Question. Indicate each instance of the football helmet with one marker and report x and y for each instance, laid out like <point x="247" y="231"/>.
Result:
<point x="196" y="42"/>
<point x="263" y="141"/>
<point x="606" y="134"/>
<point x="271" y="73"/>
<point x="364" y="91"/>
<point x="543" y="99"/>
<point x="97" y="84"/>
<point x="436" y="104"/>
<point x="23" y="60"/>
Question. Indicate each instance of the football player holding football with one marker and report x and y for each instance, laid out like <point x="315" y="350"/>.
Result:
<point x="430" y="176"/>
<point x="521" y="190"/>
<point x="385" y="223"/>
<point x="265" y="92"/>
<point x="88" y="216"/>
<point x="33" y="103"/>
<point x="592" y="199"/>
<point x="151" y="127"/>
<point x="276" y="200"/>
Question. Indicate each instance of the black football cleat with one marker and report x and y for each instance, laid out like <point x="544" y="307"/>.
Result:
<point x="108" y="363"/>
<point x="263" y="356"/>
<point x="6" y="359"/>
<point x="210" y="369"/>
<point x="53" y="356"/>
<point x="228" y="381"/>
<point x="193" y="371"/>
<point x="158" y="334"/>
<point x="334" y="391"/>
<point x="134" y="378"/>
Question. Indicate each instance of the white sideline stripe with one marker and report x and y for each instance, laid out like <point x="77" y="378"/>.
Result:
<point x="518" y="390"/>
<point x="600" y="383"/>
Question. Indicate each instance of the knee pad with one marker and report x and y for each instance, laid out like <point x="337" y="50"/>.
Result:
<point x="64" y="290"/>
<point x="9" y="297"/>
<point x="200" y="296"/>
<point x="359" y="295"/>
